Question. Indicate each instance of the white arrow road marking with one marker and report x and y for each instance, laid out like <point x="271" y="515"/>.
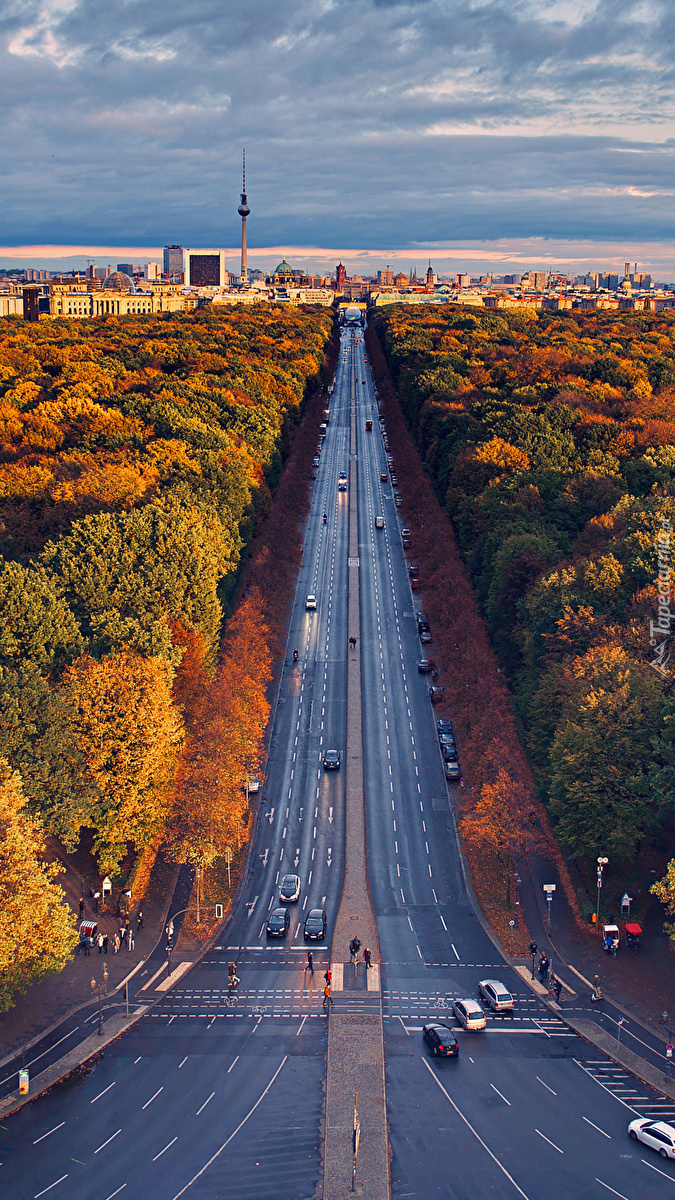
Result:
<point x="330" y="816"/>
<point x="250" y="904"/>
<point x="264" y="858"/>
<point x="329" y="859"/>
<point x="270" y="816"/>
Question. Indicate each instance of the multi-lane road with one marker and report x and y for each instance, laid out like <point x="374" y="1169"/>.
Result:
<point x="214" y="1094"/>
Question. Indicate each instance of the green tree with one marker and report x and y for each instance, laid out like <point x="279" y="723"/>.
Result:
<point x="37" y="929"/>
<point x="665" y="890"/>
<point x="36" y="624"/>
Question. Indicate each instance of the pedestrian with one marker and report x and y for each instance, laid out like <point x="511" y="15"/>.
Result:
<point x="105" y="943"/>
<point x="139" y="921"/>
<point x="99" y="942"/>
<point x="97" y="898"/>
<point x="543" y="967"/>
<point x="91" y="893"/>
<point x="366" y="955"/>
<point x="87" y="947"/>
<point x="121" y="931"/>
<point x="354" y="947"/>
<point x="130" y="939"/>
<point x="326" y="996"/>
<point x="328" y="976"/>
<point x="81" y="906"/>
<point x="116" y="943"/>
<point x="310" y="962"/>
<point x="232" y="975"/>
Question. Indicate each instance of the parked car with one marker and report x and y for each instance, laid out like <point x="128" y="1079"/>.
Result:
<point x="290" y="889"/>
<point x="253" y="786"/>
<point x="497" y="996"/>
<point x="449" y="752"/>
<point x="657" y="1134"/>
<point x="278" y="923"/>
<point x="436" y="694"/>
<point x="406" y="543"/>
<point x="452" y="772"/>
<point x="414" y="571"/>
<point x="425" y="666"/>
<point x="421" y="618"/>
<point x="331" y="760"/>
<point x="425" y="637"/>
<point x="441" y="1039"/>
<point x="310" y="603"/>
<point x="379" y="522"/>
<point x="315" y="924"/>
<point x="469" y="1014"/>
<point x="394" y="479"/>
<point x="398" y="501"/>
<point x="444" y="726"/>
<point x="405" y="532"/>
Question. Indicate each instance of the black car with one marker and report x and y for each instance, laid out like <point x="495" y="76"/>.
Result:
<point x="315" y="924"/>
<point x="331" y="760"/>
<point x="444" y="726"/>
<point x="278" y="923"/>
<point x="425" y="666"/>
<point x="441" y="1039"/>
<point x="449" y="752"/>
<point x="421" y="618"/>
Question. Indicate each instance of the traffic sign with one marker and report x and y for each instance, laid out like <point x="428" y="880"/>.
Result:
<point x="669" y="1051"/>
<point x="24" y="1078"/>
<point x="548" y="887"/>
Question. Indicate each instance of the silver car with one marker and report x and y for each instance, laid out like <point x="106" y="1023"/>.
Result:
<point x="496" y="995"/>
<point x="469" y="1014"/>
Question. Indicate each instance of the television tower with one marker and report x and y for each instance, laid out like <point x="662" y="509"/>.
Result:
<point x="243" y="211"/>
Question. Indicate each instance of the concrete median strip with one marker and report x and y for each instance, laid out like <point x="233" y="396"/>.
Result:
<point x="355" y="1041"/>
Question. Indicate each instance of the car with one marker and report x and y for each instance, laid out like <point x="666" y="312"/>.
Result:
<point x="469" y="1014"/>
<point x="449" y="752"/>
<point x="331" y="760"/>
<point x="444" y="726"/>
<point x="315" y="924"/>
<point x="383" y="477"/>
<point x="394" y="479"/>
<point x="379" y="522"/>
<point x="414" y="585"/>
<point x="405" y="532"/>
<point x="414" y="571"/>
<point x="253" y="786"/>
<point x="342" y="485"/>
<point x="452" y="772"/>
<point x="425" y="637"/>
<point x="497" y="996"/>
<point x="657" y="1134"/>
<point x="421" y="618"/>
<point x="278" y="923"/>
<point x="441" y="1039"/>
<point x="369" y="426"/>
<point x="406" y="543"/>
<point x="316" y="461"/>
<point x="398" y="501"/>
<point x="310" y="603"/>
<point x="343" y="475"/>
<point x="289" y="890"/>
<point x="446" y="739"/>
<point x="436" y="693"/>
<point x="425" y="666"/>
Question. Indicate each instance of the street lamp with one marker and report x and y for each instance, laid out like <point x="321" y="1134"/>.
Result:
<point x="97" y="990"/>
<point x="515" y="914"/>
<point x="602" y="863"/>
<point x="665" y="1020"/>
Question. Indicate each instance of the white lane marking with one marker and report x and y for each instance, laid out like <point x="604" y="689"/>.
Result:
<point x="548" y="1089"/>
<point x="182" y="1063"/>
<point x="204" y="1104"/>
<point x="455" y="952"/>
<point x="110" y="1139"/>
<point x="606" y="1089"/>
<point x="402" y="1023"/>
<point x="476" y="1135"/>
<point x="113" y="1194"/>
<point x="151" y="1100"/>
<point x="44" y="1135"/>
<point x="301" y="1025"/>
<point x="500" y="1095"/>
<point x="607" y="1135"/>
<point x="442" y="921"/>
<point x="48" y="1189"/>
<point x="110" y="1085"/>
<point x="610" y="1189"/>
<point x="230" y="1067"/>
<point x="648" y="1164"/>
<point x="165" y="1148"/>
<point x="541" y="1135"/>
<point x="232" y="1135"/>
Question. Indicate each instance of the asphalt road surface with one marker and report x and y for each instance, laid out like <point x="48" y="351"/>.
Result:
<point x="215" y="1094"/>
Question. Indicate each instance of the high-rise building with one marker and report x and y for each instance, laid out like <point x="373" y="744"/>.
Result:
<point x="31" y="304"/>
<point x="205" y="268"/>
<point x="244" y="212"/>
<point x="126" y="269"/>
<point x="173" y="260"/>
<point x="340" y="276"/>
<point x="152" y="270"/>
<point x="431" y="278"/>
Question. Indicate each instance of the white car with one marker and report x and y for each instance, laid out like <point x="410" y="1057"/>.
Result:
<point x="310" y="604"/>
<point x="496" y="995"/>
<point x="253" y="786"/>
<point x="379" y="522"/>
<point x="469" y="1014"/>
<point x="656" y="1134"/>
<point x="289" y="890"/>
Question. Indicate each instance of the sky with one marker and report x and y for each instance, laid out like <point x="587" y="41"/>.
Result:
<point x="472" y="131"/>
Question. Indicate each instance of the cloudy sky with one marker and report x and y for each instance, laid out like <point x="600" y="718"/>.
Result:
<point x="369" y="124"/>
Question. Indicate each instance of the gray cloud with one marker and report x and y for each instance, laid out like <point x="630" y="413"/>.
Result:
<point x="366" y="122"/>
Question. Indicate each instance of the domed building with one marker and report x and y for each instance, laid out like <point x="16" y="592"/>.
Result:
<point x="119" y="282"/>
<point x="282" y="275"/>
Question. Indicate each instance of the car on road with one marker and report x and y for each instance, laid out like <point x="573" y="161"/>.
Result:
<point x="342" y="483"/>
<point x="383" y="477"/>
<point x="469" y="1014"/>
<point x="425" y="666"/>
<point x="657" y="1134"/>
<point x="310" y="603"/>
<point x="278" y="923"/>
<point x="496" y="995"/>
<point x="331" y="760"/>
<point x="315" y="924"/>
<point x="379" y="522"/>
<point x="444" y="726"/>
<point x="436" y="693"/>
<point x="441" y="1039"/>
<point x="425" y="637"/>
<point x="290" y="889"/>
<point x="452" y="772"/>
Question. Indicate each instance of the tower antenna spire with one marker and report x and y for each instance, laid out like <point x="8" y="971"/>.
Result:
<point x="243" y="211"/>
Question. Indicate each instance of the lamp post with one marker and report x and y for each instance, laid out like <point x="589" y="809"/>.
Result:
<point x="97" y="990"/>
<point x="665" y="1020"/>
<point x="602" y="863"/>
<point x="515" y="914"/>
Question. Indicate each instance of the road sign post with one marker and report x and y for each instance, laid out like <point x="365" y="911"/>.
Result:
<point x="549" y="889"/>
<point x="24" y="1081"/>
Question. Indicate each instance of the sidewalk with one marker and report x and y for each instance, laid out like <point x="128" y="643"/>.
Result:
<point x="642" y="984"/>
<point x="45" y="1004"/>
